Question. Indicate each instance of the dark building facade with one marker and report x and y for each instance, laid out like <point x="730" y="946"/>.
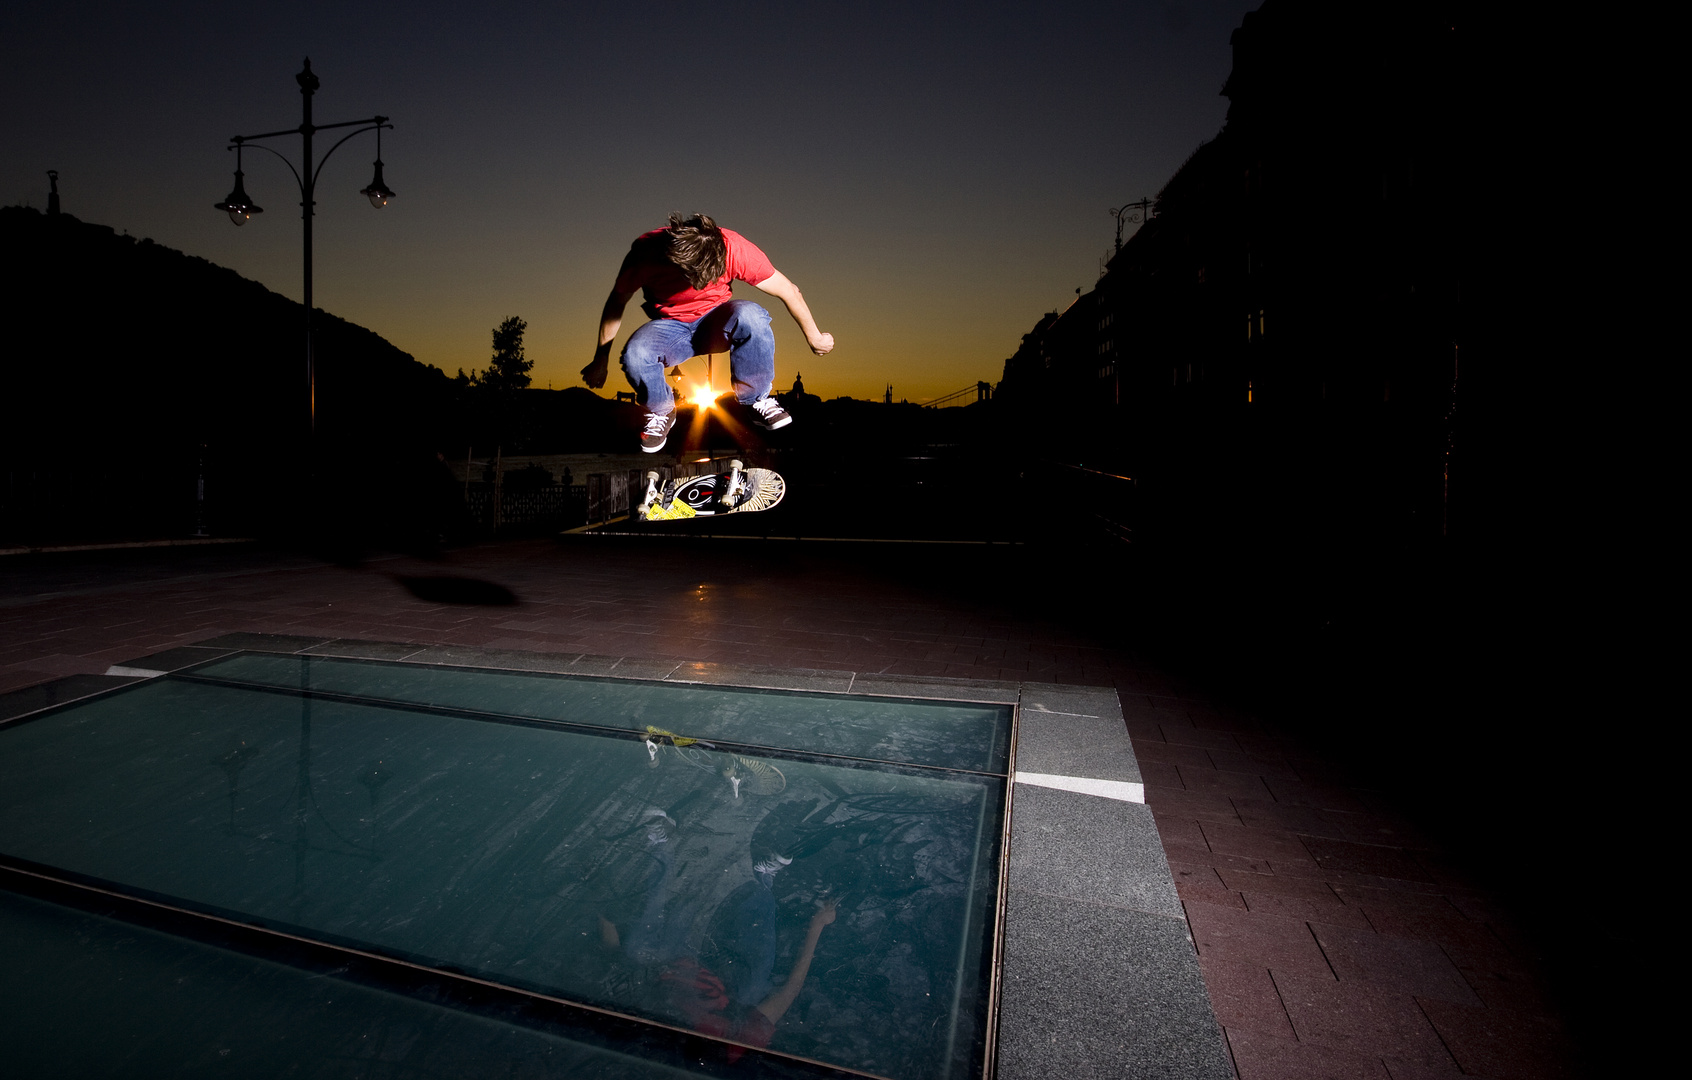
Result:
<point x="1274" y="355"/>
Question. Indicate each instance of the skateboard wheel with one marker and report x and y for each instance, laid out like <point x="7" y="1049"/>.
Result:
<point x="736" y="465"/>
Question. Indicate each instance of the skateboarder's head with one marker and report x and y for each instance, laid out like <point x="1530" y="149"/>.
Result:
<point x="696" y="246"/>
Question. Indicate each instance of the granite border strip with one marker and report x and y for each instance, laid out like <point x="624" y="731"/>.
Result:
<point x="362" y="649"/>
<point x="916" y="687"/>
<point x="166" y="661"/>
<point x="123" y="671"/>
<point x="28" y="700"/>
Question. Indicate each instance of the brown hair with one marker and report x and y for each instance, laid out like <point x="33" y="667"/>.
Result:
<point x="697" y="247"/>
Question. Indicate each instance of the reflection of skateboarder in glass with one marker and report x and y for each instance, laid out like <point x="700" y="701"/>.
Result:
<point x="686" y="272"/>
<point x="729" y="992"/>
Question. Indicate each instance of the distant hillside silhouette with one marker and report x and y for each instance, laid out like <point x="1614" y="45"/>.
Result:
<point x="125" y="356"/>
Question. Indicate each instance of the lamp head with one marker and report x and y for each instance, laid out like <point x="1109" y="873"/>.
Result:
<point x="238" y="206"/>
<point x="377" y="192"/>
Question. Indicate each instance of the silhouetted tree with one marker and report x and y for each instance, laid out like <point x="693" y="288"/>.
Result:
<point x="509" y="369"/>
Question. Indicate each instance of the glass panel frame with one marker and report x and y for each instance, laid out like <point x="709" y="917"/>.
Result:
<point x="977" y="962"/>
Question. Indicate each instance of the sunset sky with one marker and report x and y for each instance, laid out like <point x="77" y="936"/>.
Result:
<point x="933" y="176"/>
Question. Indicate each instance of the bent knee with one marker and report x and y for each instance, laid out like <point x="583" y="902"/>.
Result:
<point x="748" y="310"/>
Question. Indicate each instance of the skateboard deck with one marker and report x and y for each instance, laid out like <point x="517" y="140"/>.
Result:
<point x="738" y="491"/>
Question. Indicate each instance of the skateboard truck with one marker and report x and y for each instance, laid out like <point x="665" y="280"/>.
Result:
<point x="652" y="493"/>
<point x="737" y="488"/>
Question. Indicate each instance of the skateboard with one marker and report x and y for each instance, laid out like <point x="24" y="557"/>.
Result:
<point x="746" y="775"/>
<point x="738" y="491"/>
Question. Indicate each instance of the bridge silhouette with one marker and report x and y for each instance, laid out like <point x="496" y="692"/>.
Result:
<point x="982" y="391"/>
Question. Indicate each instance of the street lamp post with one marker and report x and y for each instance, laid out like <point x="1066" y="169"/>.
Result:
<point x="241" y="208"/>
<point x="1142" y="211"/>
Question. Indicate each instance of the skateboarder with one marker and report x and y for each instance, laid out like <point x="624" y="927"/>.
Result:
<point x="686" y="272"/>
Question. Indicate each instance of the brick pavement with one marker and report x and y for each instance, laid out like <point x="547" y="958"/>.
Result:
<point x="1335" y="938"/>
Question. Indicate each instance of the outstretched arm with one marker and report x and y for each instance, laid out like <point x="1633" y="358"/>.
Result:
<point x="788" y="293"/>
<point x="610" y="320"/>
<point x="777" y="1004"/>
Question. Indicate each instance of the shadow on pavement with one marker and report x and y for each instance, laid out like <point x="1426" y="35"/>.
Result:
<point x="458" y="590"/>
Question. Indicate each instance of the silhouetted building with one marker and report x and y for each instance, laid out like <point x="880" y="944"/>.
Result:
<point x="797" y="398"/>
<point x="1273" y="354"/>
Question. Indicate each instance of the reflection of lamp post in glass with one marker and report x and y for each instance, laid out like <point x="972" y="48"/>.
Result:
<point x="241" y="208"/>
<point x="1141" y="212"/>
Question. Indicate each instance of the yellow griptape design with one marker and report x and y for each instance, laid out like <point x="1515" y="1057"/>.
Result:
<point x="678" y="508"/>
<point x="675" y="740"/>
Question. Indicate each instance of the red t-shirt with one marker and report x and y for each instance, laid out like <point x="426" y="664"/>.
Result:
<point x="668" y="294"/>
<point x="699" y="997"/>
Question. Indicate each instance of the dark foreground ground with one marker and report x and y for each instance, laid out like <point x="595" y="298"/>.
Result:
<point x="1386" y="874"/>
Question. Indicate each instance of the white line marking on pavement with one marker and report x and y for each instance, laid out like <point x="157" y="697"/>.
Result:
<point x="1120" y="790"/>
<point x="1057" y="712"/>
<point x="134" y="672"/>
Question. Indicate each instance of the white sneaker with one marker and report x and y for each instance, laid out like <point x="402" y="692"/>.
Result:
<point x="657" y="431"/>
<point x="770" y="413"/>
<point x="771" y="865"/>
<point x="658" y="825"/>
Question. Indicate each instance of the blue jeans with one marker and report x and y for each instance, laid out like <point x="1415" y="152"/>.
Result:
<point x="740" y="326"/>
<point x="659" y="934"/>
<point x="742" y="936"/>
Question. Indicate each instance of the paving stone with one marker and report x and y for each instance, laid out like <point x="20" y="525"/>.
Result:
<point x="1502" y="1043"/>
<point x="277" y="643"/>
<point x="1201" y="886"/>
<point x="1298" y="820"/>
<point x="1517" y="989"/>
<point x="1245" y="997"/>
<point x="362" y="649"/>
<point x="1467" y="942"/>
<point x="67" y="664"/>
<point x="1094" y="991"/>
<point x="1322" y="796"/>
<point x="771" y="678"/>
<point x="497" y="659"/>
<point x="1158" y="774"/>
<point x="1357" y="1017"/>
<point x="1254" y="843"/>
<point x="1329" y="910"/>
<point x="1177" y="829"/>
<point x="1310" y="887"/>
<point x="1265" y="1057"/>
<point x="1232" y="784"/>
<point x="1242" y="937"/>
<point x="1240" y="761"/>
<point x="1084" y="847"/>
<point x="1200" y="806"/>
<point x="631" y="667"/>
<point x="593" y="664"/>
<point x="1371" y="859"/>
<point x="1402" y="1069"/>
<point x="1210" y="860"/>
<point x="1185" y="734"/>
<point x="1061" y="744"/>
<point x="1405" y="964"/>
<point x="1165" y="753"/>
